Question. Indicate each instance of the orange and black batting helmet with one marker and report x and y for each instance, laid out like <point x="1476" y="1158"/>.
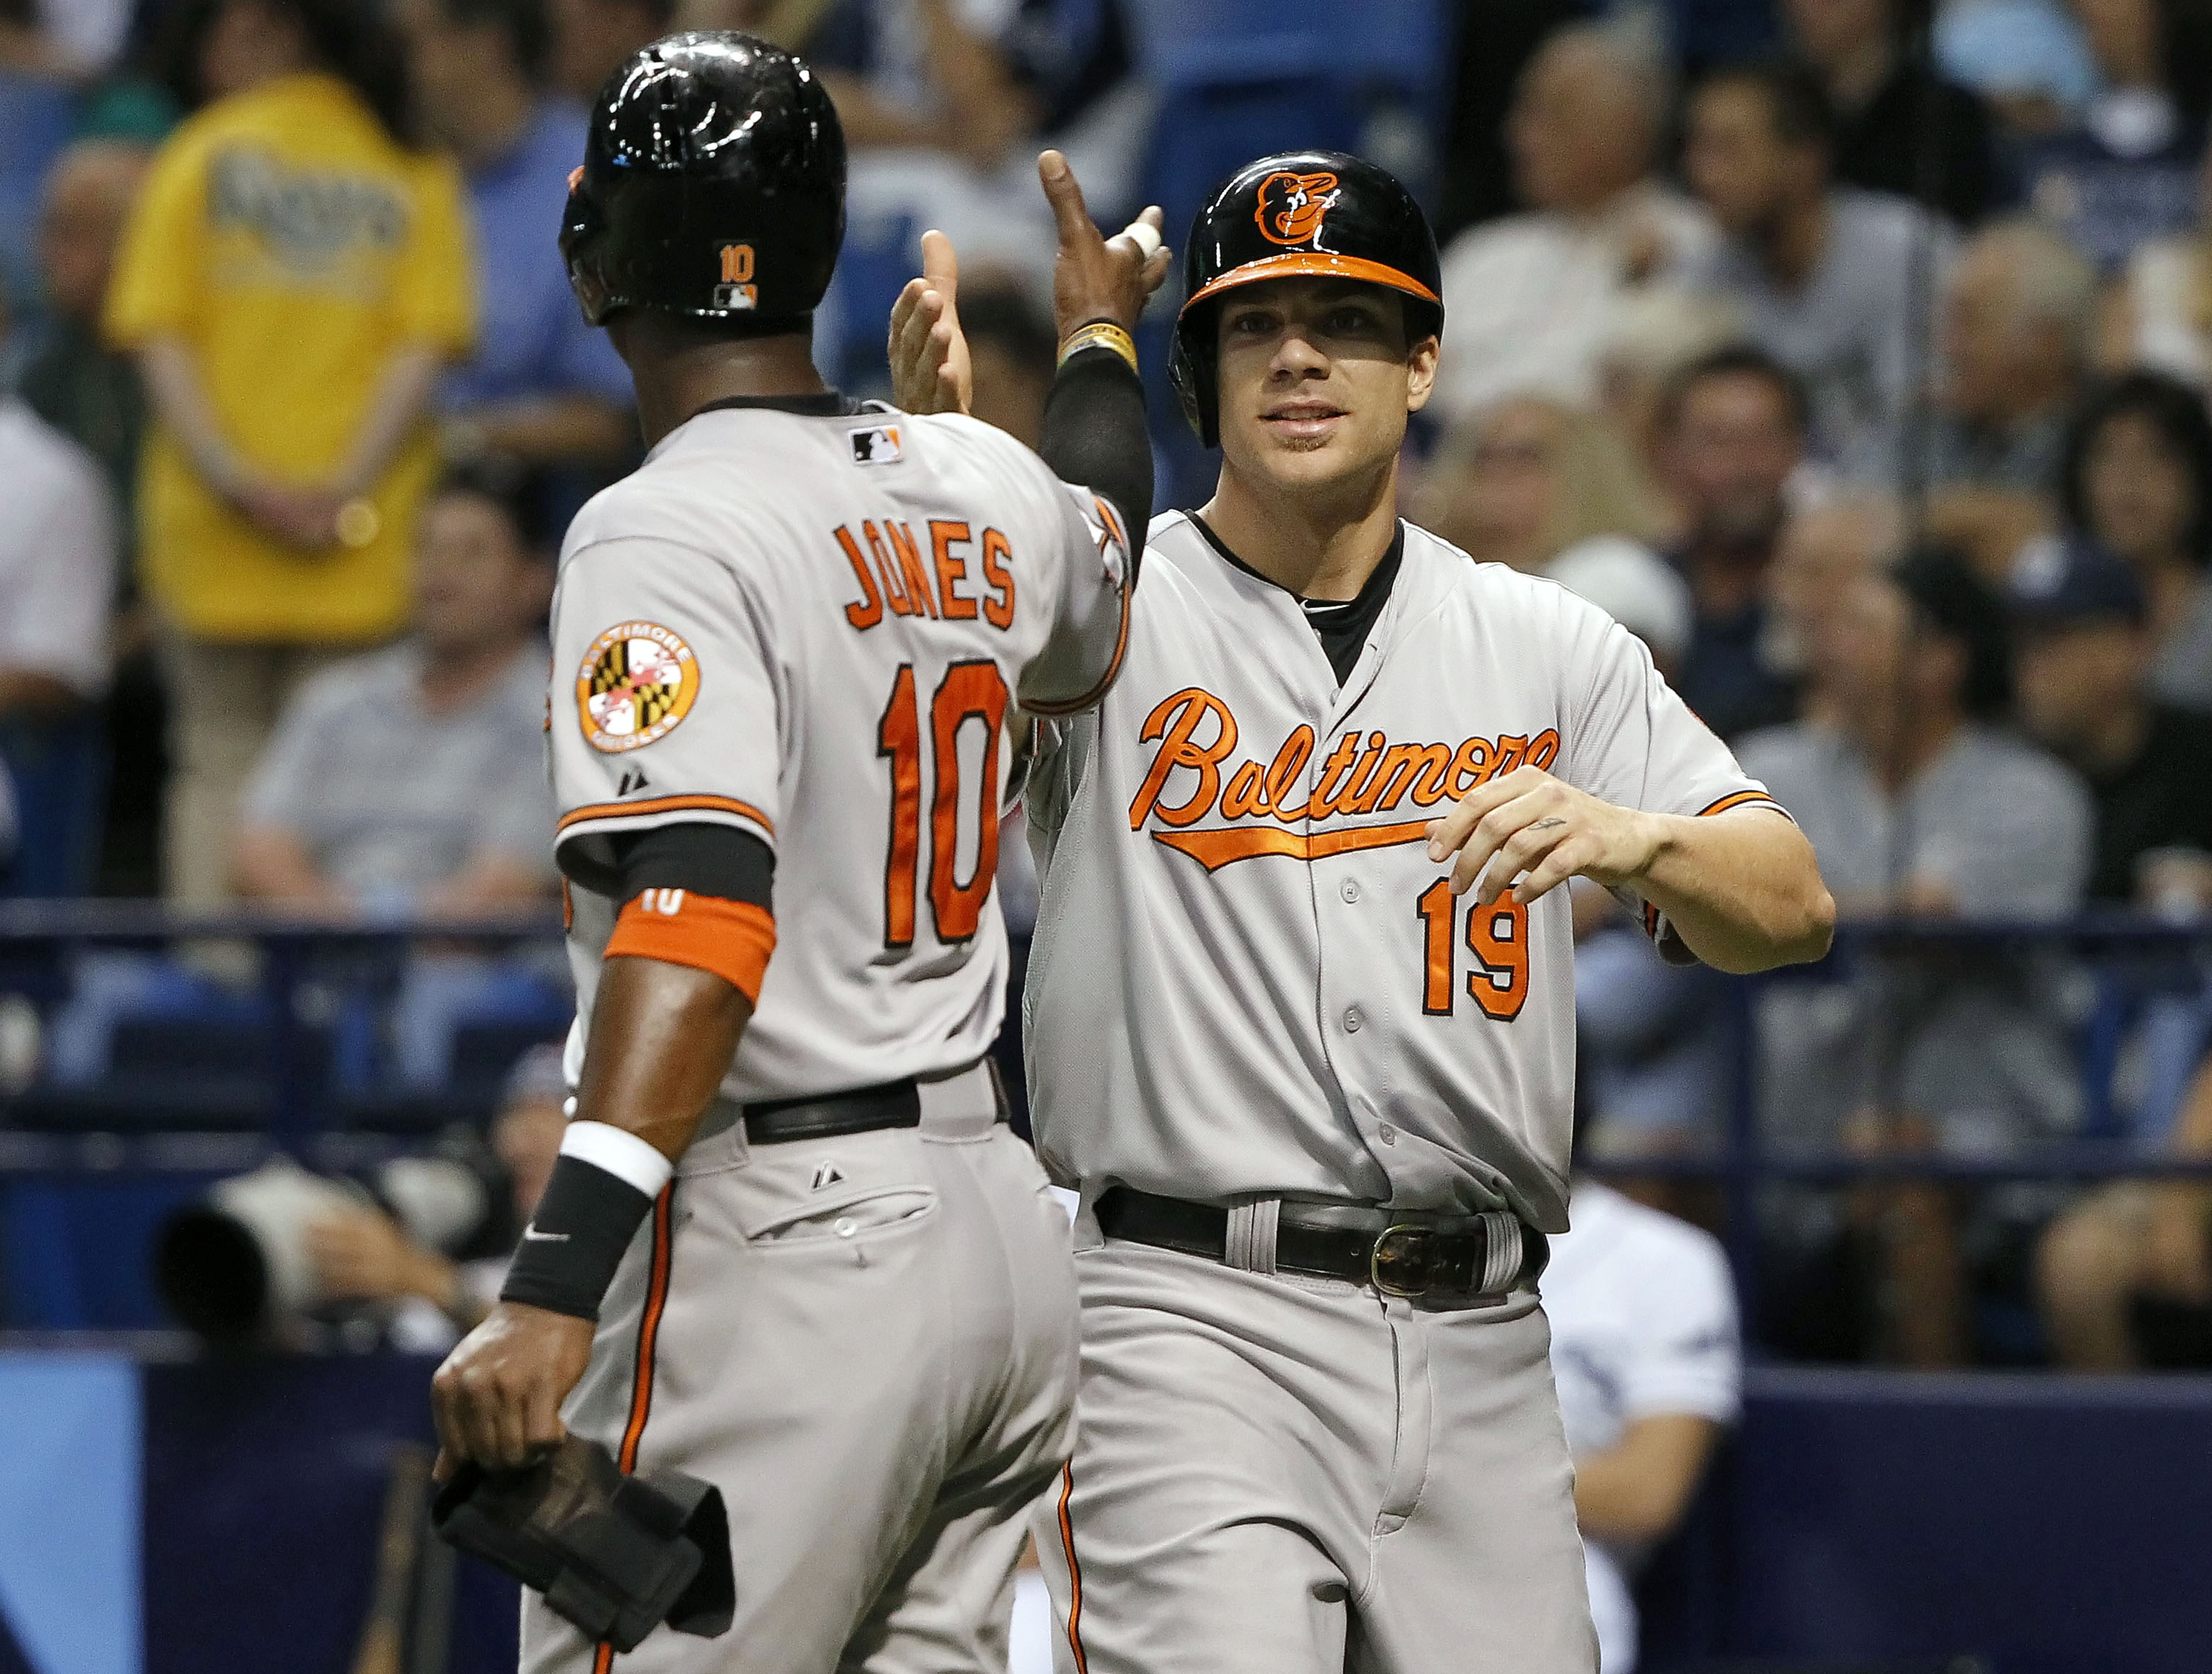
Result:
<point x="1297" y="215"/>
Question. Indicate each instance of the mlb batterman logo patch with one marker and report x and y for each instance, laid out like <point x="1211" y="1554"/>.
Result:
<point x="637" y="682"/>
<point x="878" y="445"/>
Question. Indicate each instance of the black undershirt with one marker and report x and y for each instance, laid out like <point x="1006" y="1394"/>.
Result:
<point x="1341" y="625"/>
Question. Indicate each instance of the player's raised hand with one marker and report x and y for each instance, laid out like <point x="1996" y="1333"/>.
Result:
<point x="930" y="368"/>
<point x="1093" y="276"/>
<point x="1529" y="821"/>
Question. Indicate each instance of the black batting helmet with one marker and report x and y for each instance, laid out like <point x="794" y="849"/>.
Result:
<point x="713" y="186"/>
<point x="1301" y="213"/>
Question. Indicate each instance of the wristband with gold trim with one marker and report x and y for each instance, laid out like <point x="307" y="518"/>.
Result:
<point x="1100" y="334"/>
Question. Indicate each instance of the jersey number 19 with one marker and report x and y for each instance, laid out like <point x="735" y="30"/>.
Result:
<point x="969" y="691"/>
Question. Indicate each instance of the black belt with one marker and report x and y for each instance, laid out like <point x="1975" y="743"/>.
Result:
<point x="1444" y="1264"/>
<point x="893" y="1104"/>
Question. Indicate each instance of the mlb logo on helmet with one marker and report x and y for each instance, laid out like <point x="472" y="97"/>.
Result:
<point x="1291" y="206"/>
<point x="737" y="290"/>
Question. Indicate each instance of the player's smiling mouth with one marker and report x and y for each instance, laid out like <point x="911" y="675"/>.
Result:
<point x="1303" y="419"/>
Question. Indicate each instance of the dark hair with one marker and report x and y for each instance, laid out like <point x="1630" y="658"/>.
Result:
<point x="1950" y="600"/>
<point x="1738" y="360"/>
<point x="350" y="38"/>
<point x="2169" y="407"/>
<point x="1797" y="102"/>
<point x="529" y="35"/>
<point x="519" y="493"/>
<point x="1003" y="314"/>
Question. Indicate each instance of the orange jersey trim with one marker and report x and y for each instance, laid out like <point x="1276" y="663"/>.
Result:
<point x="1216" y="848"/>
<point x="733" y="939"/>
<point x="1077" y="705"/>
<point x="1315" y="263"/>
<point x="617" y="810"/>
<point x="1745" y="799"/>
<point x="1074" y="1570"/>
<point x="648" y="1336"/>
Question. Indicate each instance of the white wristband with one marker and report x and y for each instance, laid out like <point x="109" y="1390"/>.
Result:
<point x="619" y="1152"/>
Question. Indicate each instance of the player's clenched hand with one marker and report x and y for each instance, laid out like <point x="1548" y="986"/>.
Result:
<point x="1095" y="277"/>
<point x="930" y="369"/>
<point x="1529" y="821"/>
<point x="497" y="1398"/>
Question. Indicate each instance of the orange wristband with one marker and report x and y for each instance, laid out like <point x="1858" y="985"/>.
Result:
<point x="731" y="938"/>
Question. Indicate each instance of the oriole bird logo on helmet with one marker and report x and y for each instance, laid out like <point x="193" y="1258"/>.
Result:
<point x="1291" y="206"/>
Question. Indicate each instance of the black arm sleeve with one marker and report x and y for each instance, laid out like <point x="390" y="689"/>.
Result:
<point x="716" y="860"/>
<point x="1095" y="435"/>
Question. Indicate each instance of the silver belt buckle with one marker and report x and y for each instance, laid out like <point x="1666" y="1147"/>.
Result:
<point x="1400" y="1247"/>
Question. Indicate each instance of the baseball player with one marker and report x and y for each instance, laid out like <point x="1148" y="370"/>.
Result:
<point x="1300" y="1008"/>
<point x="824" y="1277"/>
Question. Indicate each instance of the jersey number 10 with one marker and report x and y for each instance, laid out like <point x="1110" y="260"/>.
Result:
<point x="970" y="691"/>
<point x="1497" y="936"/>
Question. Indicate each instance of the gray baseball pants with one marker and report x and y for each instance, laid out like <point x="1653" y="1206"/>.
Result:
<point x="868" y="1344"/>
<point x="1278" y="1474"/>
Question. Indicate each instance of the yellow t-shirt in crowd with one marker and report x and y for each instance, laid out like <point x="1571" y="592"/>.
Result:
<point x="293" y="246"/>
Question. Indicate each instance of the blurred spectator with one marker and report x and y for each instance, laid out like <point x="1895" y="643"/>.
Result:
<point x="1918" y="804"/>
<point x="543" y="387"/>
<point x="2083" y="658"/>
<point x="442" y="807"/>
<point x="1824" y="551"/>
<point x="1491" y="46"/>
<point x="1857" y="48"/>
<point x="1732" y="433"/>
<point x="1659" y="333"/>
<point x="293" y="279"/>
<point x="1523" y="481"/>
<point x="363" y="1255"/>
<point x="2017" y="312"/>
<point x="2126" y="172"/>
<point x="1653" y="1044"/>
<point x="2138" y="476"/>
<point x="1014" y="353"/>
<point x="592" y="37"/>
<point x="74" y="381"/>
<point x="57" y="565"/>
<point x="1645" y="1353"/>
<point x="2124" y="1276"/>
<point x="2160" y="317"/>
<point x="1534" y="297"/>
<point x="1831" y="279"/>
<point x="2026" y="58"/>
<point x="70" y="40"/>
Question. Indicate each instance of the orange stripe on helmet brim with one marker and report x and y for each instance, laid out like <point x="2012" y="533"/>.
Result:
<point x="1314" y="264"/>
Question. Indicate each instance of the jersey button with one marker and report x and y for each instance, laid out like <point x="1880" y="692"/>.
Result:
<point x="1387" y="1134"/>
<point x="1352" y="1021"/>
<point x="1351" y="891"/>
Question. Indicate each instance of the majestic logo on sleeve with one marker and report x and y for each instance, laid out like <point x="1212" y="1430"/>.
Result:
<point x="1217" y="814"/>
<point x="1291" y="206"/>
<point x="638" y="681"/>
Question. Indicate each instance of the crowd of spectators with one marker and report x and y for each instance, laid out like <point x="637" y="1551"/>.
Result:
<point x="1865" y="379"/>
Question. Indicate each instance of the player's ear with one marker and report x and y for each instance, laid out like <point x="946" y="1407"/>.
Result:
<point x="1421" y="373"/>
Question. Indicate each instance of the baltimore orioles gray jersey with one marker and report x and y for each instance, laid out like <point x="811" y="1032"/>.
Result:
<point x="1250" y="986"/>
<point x="807" y="623"/>
<point x="810" y="627"/>
<point x="1249" y="980"/>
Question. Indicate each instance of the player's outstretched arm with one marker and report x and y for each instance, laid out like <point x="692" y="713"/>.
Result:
<point x="662" y="1038"/>
<point x="1742" y="888"/>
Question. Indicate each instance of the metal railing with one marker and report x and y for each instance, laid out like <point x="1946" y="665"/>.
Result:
<point x="36" y="938"/>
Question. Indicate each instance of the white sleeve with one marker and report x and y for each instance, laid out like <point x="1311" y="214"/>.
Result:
<point x="57" y="623"/>
<point x="1686" y="1358"/>
<point x="1090" y="627"/>
<point x="664" y="703"/>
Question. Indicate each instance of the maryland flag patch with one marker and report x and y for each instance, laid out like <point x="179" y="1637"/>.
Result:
<point x="639" y="680"/>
